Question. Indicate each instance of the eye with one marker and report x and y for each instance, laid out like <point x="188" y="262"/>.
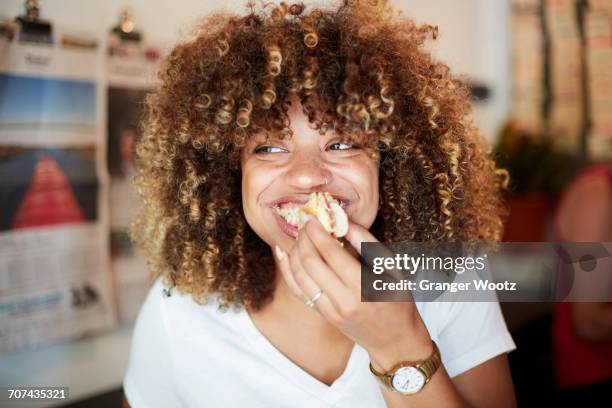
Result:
<point x="343" y="146"/>
<point x="268" y="149"/>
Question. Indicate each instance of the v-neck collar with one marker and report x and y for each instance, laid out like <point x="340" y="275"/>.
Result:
<point x="296" y="374"/>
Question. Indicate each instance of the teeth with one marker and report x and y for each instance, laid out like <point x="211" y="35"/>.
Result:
<point x="295" y="205"/>
<point x="293" y="215"/>
<point x="323" y="206"/>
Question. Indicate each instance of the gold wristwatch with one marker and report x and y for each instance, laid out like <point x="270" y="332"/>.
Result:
<point x="410" y="377"/>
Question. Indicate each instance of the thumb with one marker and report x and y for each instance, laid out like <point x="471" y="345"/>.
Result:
<point x="357" y="234"/>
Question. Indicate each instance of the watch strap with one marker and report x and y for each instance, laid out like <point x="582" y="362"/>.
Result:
<point x="431" y="365"/>
<point x="428" y="366"/>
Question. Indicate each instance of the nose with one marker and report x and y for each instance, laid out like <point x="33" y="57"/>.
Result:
<point x="308" y="173"/>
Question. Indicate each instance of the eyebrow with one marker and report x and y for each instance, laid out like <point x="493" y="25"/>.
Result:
<point x="274" y="136"/>
<point x="261" y="137"/>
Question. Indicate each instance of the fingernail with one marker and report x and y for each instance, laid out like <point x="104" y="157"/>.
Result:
<point x="280" y="254"/>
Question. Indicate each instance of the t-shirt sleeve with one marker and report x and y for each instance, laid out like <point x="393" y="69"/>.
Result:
<point x="149" y="380"/>
<point x="473" y="333"/>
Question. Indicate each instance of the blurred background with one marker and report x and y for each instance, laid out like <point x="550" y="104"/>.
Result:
<point x="73" y="77"/>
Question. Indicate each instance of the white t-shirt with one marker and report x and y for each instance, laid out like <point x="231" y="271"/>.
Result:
<point x="189" y="355"/>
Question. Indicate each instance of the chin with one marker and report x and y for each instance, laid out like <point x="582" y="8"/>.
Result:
<point x="268" y="231"/>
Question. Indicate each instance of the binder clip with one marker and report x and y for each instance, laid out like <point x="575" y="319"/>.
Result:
<point x="124" y="41"/>
<point x="125" y="29"/>
<point x="31" y="27"/>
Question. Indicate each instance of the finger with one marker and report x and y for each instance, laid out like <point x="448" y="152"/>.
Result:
<point x="283" y="262"/>
<point x="339" y="260"/>
<point x="316" y="267"/>
<point x="357" y="234"/>
<point x="324" y="304"/>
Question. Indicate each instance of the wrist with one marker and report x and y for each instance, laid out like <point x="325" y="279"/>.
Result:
<point x="408" y="349"/>
<point x="409" y="377"/>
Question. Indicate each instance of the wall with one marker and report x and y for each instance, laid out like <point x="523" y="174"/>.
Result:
<point x="473" y="33"/>
<point x="473" y="41"/>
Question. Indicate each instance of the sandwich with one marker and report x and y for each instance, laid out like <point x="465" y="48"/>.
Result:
<point x="323" y="207"/>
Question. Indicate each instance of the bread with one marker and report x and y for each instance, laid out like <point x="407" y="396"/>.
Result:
<point x="322" y="206"/>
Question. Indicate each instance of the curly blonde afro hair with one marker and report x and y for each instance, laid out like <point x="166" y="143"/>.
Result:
<point x="359" y="70"/>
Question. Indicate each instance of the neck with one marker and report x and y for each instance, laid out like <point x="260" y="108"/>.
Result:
<point x="288" y="308"/>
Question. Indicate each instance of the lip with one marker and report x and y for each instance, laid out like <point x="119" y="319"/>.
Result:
<point x="303" y="199"/>
<point x="289" y="229"/>
<point x="284" y="225"/>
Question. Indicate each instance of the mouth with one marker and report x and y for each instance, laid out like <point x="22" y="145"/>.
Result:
<point x="290" y="219"/>
<point x="285" y="226"/>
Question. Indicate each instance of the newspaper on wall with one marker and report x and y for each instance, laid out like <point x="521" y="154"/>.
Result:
<point x="527" y="62"/>
<point x="598" y="33"/>
<point x="131" y="68"/>
<point x="566" y="110"/>
<point x="55" y="276"/>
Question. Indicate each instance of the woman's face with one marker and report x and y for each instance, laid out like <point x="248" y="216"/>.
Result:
<point x="277" y="172"/>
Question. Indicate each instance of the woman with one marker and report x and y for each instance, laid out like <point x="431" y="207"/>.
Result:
<point x="582" y="331"/>
<point x="260" y="111"/>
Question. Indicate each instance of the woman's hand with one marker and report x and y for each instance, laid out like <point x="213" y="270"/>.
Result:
<point x="389" y="331"/>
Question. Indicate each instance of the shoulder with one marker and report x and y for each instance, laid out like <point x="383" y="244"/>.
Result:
<point x="172" y="334"/>
<point x="468" y="333"/>
<point x="181" y="316"/>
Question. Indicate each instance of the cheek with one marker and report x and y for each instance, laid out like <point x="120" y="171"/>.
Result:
<point x="364" y="179"/>
<point x="249" y="189"/>
<point x="368" y="181"/>
<point x="254" y="183"/>
<point x="373" y="191"/>
<point x="249" y="203"/>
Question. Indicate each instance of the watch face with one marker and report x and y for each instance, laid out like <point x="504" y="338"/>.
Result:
<point x="408" y="380"/>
